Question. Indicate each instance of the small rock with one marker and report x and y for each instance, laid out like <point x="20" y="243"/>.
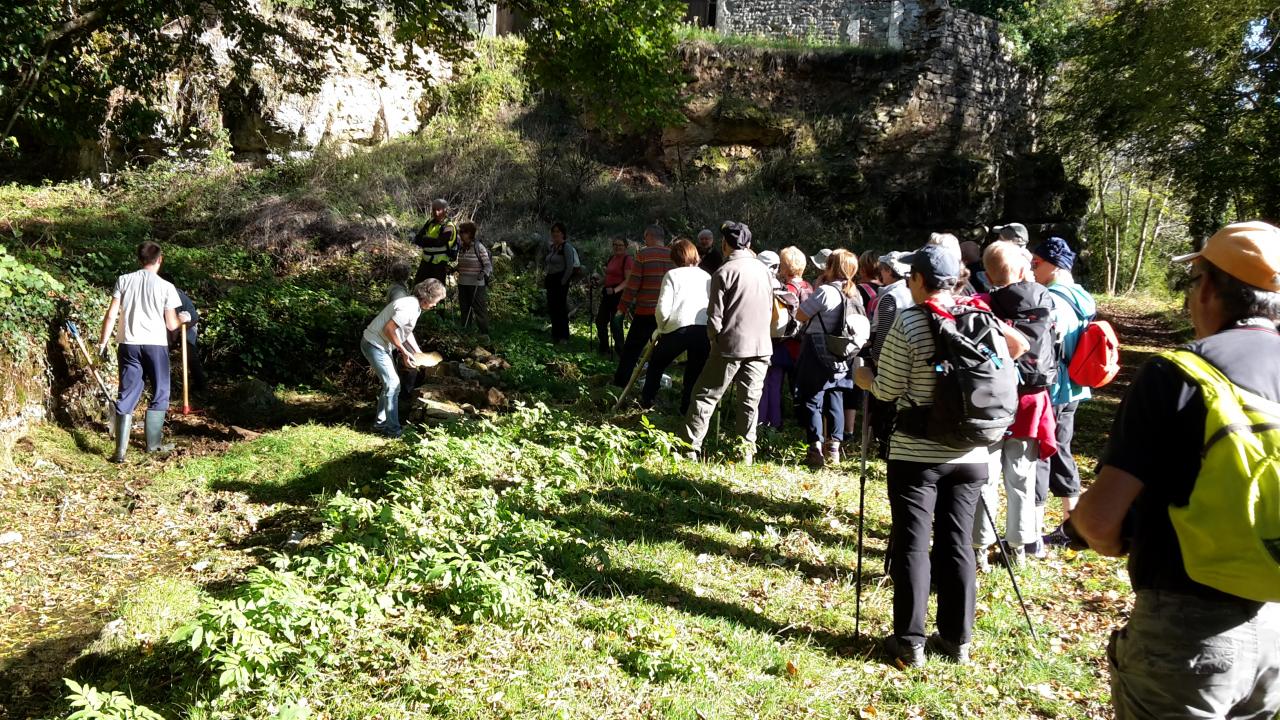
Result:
<point x="481" y="354"/>
<point x="246" y="434"/>
<point x="200" y="566"/>
<point x="10" y="538"/>
<point x="113" y="629"/>
<point x="495" y="398"/>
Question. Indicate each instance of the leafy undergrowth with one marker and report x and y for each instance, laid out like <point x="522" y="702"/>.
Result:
<point x="549" y="564"/>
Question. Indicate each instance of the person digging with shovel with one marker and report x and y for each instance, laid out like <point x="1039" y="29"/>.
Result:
<point x="144" y="309"/>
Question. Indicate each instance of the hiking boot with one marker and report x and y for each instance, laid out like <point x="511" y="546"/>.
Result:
<point x="1016" y="557"/>
<point x="833" y="452"/>
<point x="814" y="457"/>
<point x="1036" y="549"/>
<point x="901" y="651"/>
<point x="1057" y="538"/>
<point x="154" y="428"/>
<point x="982" y="556"/>
<point x="957" y="653"/>
<point x="123" y="423"/>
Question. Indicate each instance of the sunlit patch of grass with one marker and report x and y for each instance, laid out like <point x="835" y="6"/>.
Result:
<point x="288" y="464"/>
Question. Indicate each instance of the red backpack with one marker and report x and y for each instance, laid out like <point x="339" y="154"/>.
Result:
<point x="1097" y="358"/>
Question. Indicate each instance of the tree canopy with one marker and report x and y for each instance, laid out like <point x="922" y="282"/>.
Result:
<point x="1187" y="89"/>
<point x="69" y="66"/>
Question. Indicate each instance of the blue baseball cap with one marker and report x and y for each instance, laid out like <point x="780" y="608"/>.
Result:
<point x="935" y="262"/>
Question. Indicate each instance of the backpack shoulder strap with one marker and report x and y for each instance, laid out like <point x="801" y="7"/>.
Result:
<point x="1200" y="371"/>
<point x="1070" y="296"/>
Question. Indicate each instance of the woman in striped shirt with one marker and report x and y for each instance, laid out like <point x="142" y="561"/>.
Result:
<point x="475" y="268"/>
<point x="931" y="486"/>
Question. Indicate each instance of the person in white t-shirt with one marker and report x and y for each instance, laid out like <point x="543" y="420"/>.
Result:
<point x="144" y="309"/>
<point x="391" y="332"/>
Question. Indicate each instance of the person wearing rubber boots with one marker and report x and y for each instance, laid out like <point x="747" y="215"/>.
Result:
<point x="144" y="309"/>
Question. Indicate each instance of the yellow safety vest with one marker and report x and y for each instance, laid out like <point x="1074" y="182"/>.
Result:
<point x="435" y="249"/>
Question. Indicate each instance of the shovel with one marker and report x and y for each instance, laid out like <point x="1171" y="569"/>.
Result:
<point x="107" y="411"/>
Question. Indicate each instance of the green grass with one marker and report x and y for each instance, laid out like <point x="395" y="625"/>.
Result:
<point x="292" y="463"/>
<point x="698" y="591"/>
<point x="605" y="579"/>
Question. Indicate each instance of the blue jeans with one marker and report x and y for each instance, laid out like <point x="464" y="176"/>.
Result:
<point x="141" y="365"/>
<point x="1185" y="657"/>
<point x="384" y="364"/>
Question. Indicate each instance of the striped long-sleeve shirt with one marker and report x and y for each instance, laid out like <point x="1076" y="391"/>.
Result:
<point x="891" y="300"/>
<point x="645" y="282"/>
<point x="474" y="264"/>
<point x="906" y="375"/>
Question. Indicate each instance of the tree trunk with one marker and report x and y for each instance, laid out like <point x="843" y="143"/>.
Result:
<point x="1144" y="242"/>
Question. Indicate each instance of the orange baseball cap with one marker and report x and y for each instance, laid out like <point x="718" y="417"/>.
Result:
<point x="1247" y="251"/>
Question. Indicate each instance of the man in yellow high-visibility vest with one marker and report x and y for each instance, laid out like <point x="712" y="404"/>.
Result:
<point x="438" y="240"/>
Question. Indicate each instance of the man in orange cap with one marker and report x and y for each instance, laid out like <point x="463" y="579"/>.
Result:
<point x="1192" y="648"/>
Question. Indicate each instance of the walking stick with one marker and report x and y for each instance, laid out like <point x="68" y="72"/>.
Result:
<point x="635" y="374"/>
<point x="1009" y="566"/>
<point x="862" y="495"/>
<point x="186" y="396"/>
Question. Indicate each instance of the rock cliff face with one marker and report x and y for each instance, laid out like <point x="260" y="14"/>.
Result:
<point x="936" y="135"/>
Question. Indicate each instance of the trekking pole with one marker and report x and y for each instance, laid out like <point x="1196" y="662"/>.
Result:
<point x="635" y="374"/>
<point x="862" y="494"/>
<point x="1009" y="566"/>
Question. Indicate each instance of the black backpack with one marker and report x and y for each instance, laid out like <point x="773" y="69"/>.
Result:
<point x="976" y="396"/>
<point x="837" y="350"/>
<point x="1029" y="307"/>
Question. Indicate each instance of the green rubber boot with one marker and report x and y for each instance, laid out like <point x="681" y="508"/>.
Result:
<point x="155" y="430"/>
<point x="123" y="423"/>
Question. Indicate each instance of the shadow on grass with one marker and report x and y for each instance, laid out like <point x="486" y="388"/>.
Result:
<point x="341" y="473"/>
<point x="669" y="508"/>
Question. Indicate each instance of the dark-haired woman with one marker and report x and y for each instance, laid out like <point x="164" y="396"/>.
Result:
<point x="475" y="268"/>
<point x="616" y="270"/>
<point x="559" y="266"/>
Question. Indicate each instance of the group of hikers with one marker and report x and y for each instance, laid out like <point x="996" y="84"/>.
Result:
<point x="969" y="362"/>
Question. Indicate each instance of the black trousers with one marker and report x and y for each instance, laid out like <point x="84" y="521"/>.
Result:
<point x="557" y="306"/>
<point x="1059" y="474"/>
<point x="473" y="302"/>
<point x="642" y="327"/>
<point x="690" y="339"/>
<point x="605" y="327"/>
<point x="428" y="269"/>
<point x="941" y="498"/>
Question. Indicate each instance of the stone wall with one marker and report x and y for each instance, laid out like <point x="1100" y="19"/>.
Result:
<point x="867" y="23"/>
<point x="897" y="142"/>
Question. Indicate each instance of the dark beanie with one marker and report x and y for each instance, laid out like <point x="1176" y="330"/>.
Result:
<point x="1056" y="251"/>
<point x="737" y="234"/>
